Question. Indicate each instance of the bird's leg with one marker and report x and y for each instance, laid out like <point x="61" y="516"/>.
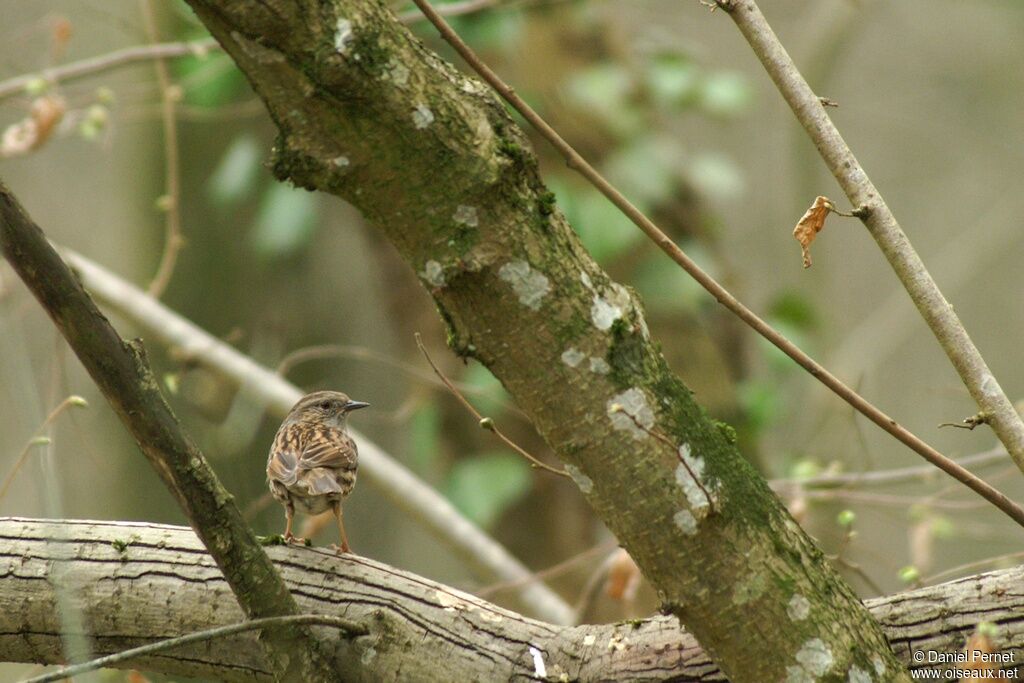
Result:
<point x="289" y="513"/>
<point x="336" y="508"/>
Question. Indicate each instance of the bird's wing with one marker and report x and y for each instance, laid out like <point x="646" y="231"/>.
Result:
<point x="328" y="448"/>
<point x="282" y="465"/>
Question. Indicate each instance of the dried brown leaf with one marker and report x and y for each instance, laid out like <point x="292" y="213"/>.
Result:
<point x="808" y="227"/>
<point x="30" y="133"/>
<point x="980" y="650"/>
<point x="623" y="577"/>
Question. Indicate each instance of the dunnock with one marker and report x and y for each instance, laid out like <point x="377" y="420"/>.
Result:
<point x="313" y="460"/>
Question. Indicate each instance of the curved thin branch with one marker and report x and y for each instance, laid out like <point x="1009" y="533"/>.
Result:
<point x="146" y="53"/>
<point x="322" y="351"/>
<point x="107" y="62"/>
<point x="350" y="628"/>
<point x="724" y="297"/>
<point x="401" y="487"/>
<point x="428" y="631"/>
<point x="486" y="422"/>
<point x="38" y="439"/>
<point x="170" y="203"/>
<point x="886" y="476"/>
<point x="882" y="224"/>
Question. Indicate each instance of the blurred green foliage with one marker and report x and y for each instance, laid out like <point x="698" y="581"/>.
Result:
<point x="209" y="80"/>
<point x="488" y="396"/>
<point x="424" y="439"/>
<point x="285" y="222"/>
<point x="236" y="176"/>
<point x="483" y="486"/>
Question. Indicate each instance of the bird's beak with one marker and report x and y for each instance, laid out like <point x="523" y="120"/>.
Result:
<point x="355" y="405"/>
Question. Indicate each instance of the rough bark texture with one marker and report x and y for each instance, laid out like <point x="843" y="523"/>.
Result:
<point x="122" y="373"/>
<point x="430" y="157"/>
<point x="136" y="583"/>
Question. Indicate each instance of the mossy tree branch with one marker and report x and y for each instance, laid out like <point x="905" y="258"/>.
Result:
<point x="122" y="373"/>
<point x="431" y="157"/>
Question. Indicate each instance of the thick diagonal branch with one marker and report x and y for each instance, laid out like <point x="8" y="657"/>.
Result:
<point x="120" y="370"/>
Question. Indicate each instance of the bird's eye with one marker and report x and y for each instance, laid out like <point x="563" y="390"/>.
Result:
<point x="326" y="405"/>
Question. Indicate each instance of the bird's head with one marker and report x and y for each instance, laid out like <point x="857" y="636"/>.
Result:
<point x="330" y="407"/>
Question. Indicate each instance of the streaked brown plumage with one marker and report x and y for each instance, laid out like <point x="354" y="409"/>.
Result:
<point x="313" y="460"/>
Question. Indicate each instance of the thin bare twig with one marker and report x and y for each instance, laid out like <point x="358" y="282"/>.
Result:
<point x="656" y="433"/>
<point x="969" y="423"/>
<point x="170" y="203"/>
<point x="309" y="353"/>
<point x="38" y="440"/>
<point x="551" y="572"/>
<point x="882" y="224"/>
<point x="486" y="422"/>
<point x="841" y="559"/>
<point x="970" y="566"/>
<point x="107" y="62"/>
<point x="145" y="53"/>
<point x="892" y="500"/>
<point x="575" y="161"/>
<point x="863" y="575"/>
<point x="883" y="477"/>
<point x="349" y="627"/>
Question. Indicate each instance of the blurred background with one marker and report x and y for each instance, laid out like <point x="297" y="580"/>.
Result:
<point x="667" y="99"/>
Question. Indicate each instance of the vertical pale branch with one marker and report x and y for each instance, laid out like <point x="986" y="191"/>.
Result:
<point x="122" y="373"/>
<point x="170" y="203"/>
<point x="996" y="408"/>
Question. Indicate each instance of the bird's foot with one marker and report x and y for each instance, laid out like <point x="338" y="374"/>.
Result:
<point x="295" y="540"/>
<point x="341" y="549"/>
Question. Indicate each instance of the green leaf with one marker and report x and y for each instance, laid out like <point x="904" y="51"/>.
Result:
<point x="490" y="396"/>
<point x="286" y="221"/>
<point x="666" y="288"/>
<point x="716" y="176"/>
<point x="646" y="169"/>
<point x="673" y="80"/>
<point x="605" y="232"/>
<point x="209" y="80"/>
<point x="804" y="469"/>
<point x="760" y="402"/>
<point x="424" y="432"/>
<point x="605" y="91"/>
<point x="726" y="94"/>
<point x="794" y="308"/>
<point x="485" y="486"/>
<point x="234" y="179"/>
<point x="489" y="30"/>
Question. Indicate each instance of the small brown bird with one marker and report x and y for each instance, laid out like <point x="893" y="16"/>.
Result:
<point x="313" y="460"/>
